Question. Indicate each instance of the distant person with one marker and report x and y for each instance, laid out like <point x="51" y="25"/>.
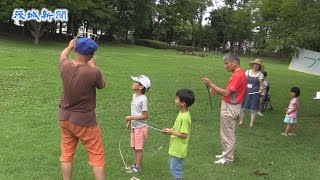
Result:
<point x="244" y="49"/>
<point x="254" y="89"/>
<point x="137" y="120"/>
<point x="233" y="97"/>
<point x="80" y="78"/>
<point x="291" y="117"/>
<point x="180" y="133"/>
<point x="265" y="87"/>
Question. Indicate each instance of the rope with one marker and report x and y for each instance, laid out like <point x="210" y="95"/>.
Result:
<point x="124" y="163"/>
<point x="120" y="151"/>
<point x="157" y="129"/>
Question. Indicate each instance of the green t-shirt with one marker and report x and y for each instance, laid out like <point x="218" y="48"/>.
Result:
<point x="178" y="146"/>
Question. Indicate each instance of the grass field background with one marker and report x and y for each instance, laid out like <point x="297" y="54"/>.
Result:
<point x="30" y="89"/>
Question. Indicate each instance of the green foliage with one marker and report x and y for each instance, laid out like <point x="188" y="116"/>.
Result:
<point x="218" y="29"/>
<point x="184" y="48"/>
<point x="124" y="19"/>
<point x="6" y="9"/>
<point x="272" y="26"/>
<point x="152" y="43"/>
<point x="100" y="15"/>
<point x="285" y="25"/>
<point x="210" y="38"/>
<point x="180" y="21"/>
<point x="142" y="18"/>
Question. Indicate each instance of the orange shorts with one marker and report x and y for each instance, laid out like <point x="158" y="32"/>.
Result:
<point x="90" y="137"/>
<point x="138" y="137"/>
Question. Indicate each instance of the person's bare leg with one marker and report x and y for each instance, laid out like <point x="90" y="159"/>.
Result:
<point x="293" y="129"/>
<point x="139" y="154"/>
<point x="242" y="116"/>
<point x="99" y="172"/>
<point x="66" y="169"/>
<point x="135" y="157"/>
<point x="261" y="104"/>
<point x="288" y="128"/>
<point x="252" y="119"/>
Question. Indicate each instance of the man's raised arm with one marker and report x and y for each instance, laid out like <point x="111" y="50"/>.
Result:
<point x="66" y="52"/>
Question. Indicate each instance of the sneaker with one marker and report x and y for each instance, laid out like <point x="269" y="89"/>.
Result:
<point x="284" y="134"/>
<point x="130" y="167"/>
<point x="259" y="113"/>
<point x="134" y="178"/>
<point x="291" y="134"/>
<point x="221" y="161"/>
<point x="219" y="156"/>
<point x="134" y="170"/>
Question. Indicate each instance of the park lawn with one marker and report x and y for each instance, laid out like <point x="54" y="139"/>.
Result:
<point x="30" y="89"/>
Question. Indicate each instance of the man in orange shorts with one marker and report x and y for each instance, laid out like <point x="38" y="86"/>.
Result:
<point x="80" y="78"/>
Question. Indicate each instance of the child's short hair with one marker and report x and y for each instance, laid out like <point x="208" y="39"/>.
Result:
<point x="186" y="96"/>
<point x="265" y="74"/>
<point x="296" y="91"/>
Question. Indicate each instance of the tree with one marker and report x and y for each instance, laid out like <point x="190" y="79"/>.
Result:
<point x="219" y="20"/>
<point x="284" y="25"/>
<point x="240" y="26"/>
<point x="100" y="15"/>
<point x="6" y="9"/>
<point x="143" y="18"/>
<point x="36" y="28"/>
<point x="124" y="23"/>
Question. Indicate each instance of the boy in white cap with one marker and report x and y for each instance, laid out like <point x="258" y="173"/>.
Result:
<point x="137" y="120"/>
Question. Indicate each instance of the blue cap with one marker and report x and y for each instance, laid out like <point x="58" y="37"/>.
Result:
<point x="86" y="46"/>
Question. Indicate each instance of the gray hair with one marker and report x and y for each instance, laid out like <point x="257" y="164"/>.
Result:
<point x="232" y="57"/>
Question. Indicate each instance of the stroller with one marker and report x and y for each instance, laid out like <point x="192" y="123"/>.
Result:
<point x="267" y="100"/>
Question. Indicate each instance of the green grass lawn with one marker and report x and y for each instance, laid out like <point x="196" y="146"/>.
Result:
<point x="30" y="89"/>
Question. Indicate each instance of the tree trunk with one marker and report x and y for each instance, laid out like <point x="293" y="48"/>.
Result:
<point x="69" y="27"/>
<point x="72" y="28"/>
<point x="53" y="30"/>
<point x="239" y="46"/>
<point x="224" y="43"/>
<point x="231" y="45"/>
<point x="23" y="33"/>
<point x="9" y="24"/>
<point x="193" y="40"/>
<point x="36" y="33"/>
<point x="60" y="28"/>
<point x="126" y="31"/>
<point x="47" y="31"/>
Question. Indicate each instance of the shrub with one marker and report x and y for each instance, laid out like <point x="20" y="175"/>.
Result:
<point x="199" y="49"/>
<point x="184" y="48"/>
<point x="151" y="43"/>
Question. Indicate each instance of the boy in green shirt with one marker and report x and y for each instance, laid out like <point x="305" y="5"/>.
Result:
<point x="179" y="134"/>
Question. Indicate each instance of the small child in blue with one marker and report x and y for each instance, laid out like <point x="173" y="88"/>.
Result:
<point x="180" y="133"/>
<point x="292" y="112"/>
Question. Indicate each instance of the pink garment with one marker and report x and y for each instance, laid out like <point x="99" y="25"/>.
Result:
<point x="290" y="107"/>
<point x="139" y="137"/>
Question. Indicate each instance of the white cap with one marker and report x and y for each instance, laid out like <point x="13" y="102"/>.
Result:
<point x="142" y="79"/>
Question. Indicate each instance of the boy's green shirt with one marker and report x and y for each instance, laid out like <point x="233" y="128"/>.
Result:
<point x="178" y="146"/>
